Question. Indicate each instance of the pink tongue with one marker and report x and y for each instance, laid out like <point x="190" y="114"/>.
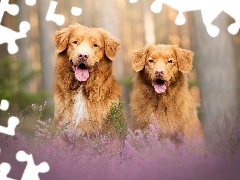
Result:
<point x="81" y="74"/>
<point x="160" y="88"/>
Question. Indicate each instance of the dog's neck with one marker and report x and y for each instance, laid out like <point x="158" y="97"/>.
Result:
<point x="101" y="81"/>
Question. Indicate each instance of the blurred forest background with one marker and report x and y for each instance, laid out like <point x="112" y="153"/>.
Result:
<point x="27" y="77"/>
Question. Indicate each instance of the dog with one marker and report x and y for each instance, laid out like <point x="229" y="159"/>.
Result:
<point x="85" y="88"/>
<point x="161" y="90"/>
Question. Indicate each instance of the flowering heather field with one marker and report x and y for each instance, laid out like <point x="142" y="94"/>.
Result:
<point x="142" y="156"/>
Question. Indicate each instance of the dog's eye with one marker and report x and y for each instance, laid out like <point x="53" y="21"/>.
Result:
<point x="75" y="42"/>
<point x="150" y="60"/>
<point x="95" y="45"/>
<point x="170" y="61"/>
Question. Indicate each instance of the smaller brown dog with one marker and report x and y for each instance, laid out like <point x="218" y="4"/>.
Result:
<point x="161" y="89"/>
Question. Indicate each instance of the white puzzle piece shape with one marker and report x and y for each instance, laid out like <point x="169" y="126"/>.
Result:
<point x="9" y="36"/>
<point x="4" y="170"/>
<point x="51" y="16"/>
<point x="12" y="124"/>
<point x="30" y="2"/>
<point x="209" y="9"/>
<point x="76" y="11"/>
<point x="31" y="171"/>
<point x="4" y="105"/>
<point x="12" y="9"/>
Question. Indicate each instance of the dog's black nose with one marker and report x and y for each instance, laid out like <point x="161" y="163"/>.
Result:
<point x="83" y="56"/>
<point x="159" y="72"/>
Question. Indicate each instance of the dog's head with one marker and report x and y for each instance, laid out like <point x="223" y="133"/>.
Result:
<point x="85" y="47"/>
<point x="162" y="63"/>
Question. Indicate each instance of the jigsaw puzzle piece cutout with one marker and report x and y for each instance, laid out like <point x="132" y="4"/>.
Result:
<point x="4" y="170"/>
<point x="51" y="16"/>
<point x="76" y="11"/>
<point x="180" y="19"/>
<point x="4" y="105"/>
<point x="12" y="9"/>
<point x="208" y="9"/>
<point x="209" y="13"/>
<point x="9" y="36"/>
<point x="232" y="9"/>
<point x="30" y="2"/>
<point x="181" y="6"/>
<point x="133" y="1"/>
<point x="234" y="28"/>
<point x="12" y="124"/>
<point x="31" y="171"/>
<point x="156" y="6"/>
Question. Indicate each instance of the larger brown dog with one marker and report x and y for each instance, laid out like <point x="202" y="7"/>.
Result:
<point x="161" y="89"/>
<point x="85" y="87"/>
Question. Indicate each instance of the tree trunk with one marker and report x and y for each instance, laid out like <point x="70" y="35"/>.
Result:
<point x="23" y="44"/>
<point x="148" y="23"/>
<point x="88" y="13"/>
<point x="110" y="21"/>
<point x="216" y="66"/>
<point x="46" y="46"/>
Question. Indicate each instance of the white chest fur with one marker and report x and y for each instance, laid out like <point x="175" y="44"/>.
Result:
<point x="79" y="110"/>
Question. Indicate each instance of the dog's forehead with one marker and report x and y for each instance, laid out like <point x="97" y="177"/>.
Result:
<point x="87" y="33"/>
<point x="162" y="51"/>
<point x="166" y="49"/>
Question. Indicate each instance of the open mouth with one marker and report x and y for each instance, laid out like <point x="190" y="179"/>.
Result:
<point x="82" y="71"/>
<point x="160" y="85"/>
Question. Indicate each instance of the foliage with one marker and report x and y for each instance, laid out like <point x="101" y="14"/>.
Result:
<point x="142" y="156"/>
<point x="11" y="86"/>
<point x="127" y="81"/>
<point x="116" y="116"/>
<point x="227" y="137"/>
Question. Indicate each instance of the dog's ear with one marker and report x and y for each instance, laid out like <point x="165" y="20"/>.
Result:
<point x="139" y="57"/>
<point x="112" y="44"/>
<point x="184" y="59"/>
<point x="61" y="39"/>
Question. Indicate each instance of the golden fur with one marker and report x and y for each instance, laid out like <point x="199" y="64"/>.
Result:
<point x="170" y="102"/>
<point x="98" y="91"/>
